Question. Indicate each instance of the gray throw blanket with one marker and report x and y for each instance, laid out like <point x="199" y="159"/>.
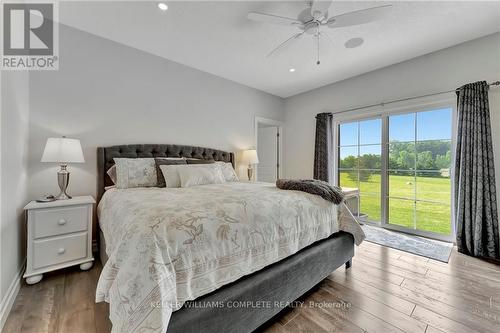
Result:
<point x="313" y="186"/>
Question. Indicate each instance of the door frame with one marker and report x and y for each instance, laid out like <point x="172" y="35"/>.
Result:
<point x="280" y="125"/>
<point x="384" y="112"/>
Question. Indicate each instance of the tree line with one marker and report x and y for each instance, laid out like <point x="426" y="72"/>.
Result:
<point x="428" y="155"/>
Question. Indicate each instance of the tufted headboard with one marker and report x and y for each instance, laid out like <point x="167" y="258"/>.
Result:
<point x="105" y="157"/>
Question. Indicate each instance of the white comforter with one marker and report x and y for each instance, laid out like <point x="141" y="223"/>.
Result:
<point x="168" y="246"/>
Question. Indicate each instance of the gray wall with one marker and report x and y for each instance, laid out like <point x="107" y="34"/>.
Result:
<point x="105" y="93"/>
<point x="446" y="69"/>
<point x="14" y="166"/>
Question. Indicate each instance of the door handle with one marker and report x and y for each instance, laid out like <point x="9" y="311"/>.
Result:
<point x="61" y="250"/>
<point x="61" y="222"/>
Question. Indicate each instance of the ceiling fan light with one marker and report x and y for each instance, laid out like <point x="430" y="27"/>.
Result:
<point x="291" y="70"/>
<point x="163" y="6"/>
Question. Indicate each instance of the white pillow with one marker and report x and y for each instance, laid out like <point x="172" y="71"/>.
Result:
<point x="172" y="177"/>
<point x="112" y="173"/>
<point x="228" y="172"/>
<point x="135" y="172"/>
<point x="200" y="174"/>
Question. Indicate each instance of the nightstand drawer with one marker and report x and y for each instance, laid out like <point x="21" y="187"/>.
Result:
<point x="58" y="221"/>
<point x="57" y="250"/>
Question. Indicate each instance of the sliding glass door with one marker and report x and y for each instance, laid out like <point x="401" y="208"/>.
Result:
<point x="401" y="165"/>
<point x="419" y="183"/>
<point x="360" y="145"/>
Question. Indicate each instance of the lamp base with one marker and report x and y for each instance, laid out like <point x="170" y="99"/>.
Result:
<point x="63" y="196"/>
<point x="63" y="181"/>
<point x="250" y="173"/>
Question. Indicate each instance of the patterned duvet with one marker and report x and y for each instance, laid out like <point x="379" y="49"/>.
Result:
<point x="168" y="246"/>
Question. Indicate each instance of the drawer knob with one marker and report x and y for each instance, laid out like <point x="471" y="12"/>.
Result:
<point x="61" y="222"/>
<point x="61" y="250"/>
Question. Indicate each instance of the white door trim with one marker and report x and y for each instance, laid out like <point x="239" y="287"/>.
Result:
<point x="280" y="125"/>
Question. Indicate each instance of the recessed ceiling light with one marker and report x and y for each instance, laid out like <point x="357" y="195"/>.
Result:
<point x="291" y="70"/>
<point x="162" y="6"/>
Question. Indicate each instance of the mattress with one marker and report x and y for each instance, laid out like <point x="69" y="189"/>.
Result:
<point x="169" y="246"/>
<point x="302" y="271"/>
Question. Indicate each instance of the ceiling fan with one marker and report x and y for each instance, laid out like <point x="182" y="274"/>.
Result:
<point x="315" y="20"/>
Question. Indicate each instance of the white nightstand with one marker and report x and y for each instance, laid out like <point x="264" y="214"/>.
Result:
<point x="59" y="235"/>
<point x="351" y="202"/>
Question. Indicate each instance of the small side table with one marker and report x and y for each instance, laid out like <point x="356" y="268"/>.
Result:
<point x="351" y="202"/>
<point x="59" y="235"/>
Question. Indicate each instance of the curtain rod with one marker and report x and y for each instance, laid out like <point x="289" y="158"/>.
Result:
<point x="495" y="83"/>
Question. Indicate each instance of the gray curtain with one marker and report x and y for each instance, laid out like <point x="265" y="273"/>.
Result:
<point x="323" y="150"/>
<point x="475" y="192"/>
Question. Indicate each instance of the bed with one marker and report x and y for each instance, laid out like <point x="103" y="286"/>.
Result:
<point x="211" y="258"/>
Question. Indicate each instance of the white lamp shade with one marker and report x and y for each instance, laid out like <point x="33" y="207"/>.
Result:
<point x="63" y="150"/>
<point x="250" y="156"/>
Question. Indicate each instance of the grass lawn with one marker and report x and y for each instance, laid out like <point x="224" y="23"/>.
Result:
<point x="433" y="217"/>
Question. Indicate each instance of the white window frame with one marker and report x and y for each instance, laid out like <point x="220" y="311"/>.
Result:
<point x="383" y="112"/>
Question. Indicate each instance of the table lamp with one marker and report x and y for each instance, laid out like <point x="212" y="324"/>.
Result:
<point x="251" y="157"/>
<point x="63" y="151"/>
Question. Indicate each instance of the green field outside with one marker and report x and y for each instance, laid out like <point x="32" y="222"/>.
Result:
<point x="434" y="217"/>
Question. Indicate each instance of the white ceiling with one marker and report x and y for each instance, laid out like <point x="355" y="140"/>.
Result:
<point x="216" y="37"/>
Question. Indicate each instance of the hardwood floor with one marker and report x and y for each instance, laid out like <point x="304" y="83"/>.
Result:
<point x="385" y="290"/>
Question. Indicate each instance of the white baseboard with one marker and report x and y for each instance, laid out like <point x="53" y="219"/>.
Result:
<point x="10" y="296"/>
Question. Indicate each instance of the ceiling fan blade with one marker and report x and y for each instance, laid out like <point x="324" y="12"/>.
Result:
<point x="358" y="17"/>
<point x="269" y="18"/>
<point x="285" y="43"/>
<point x="319" y="8"/>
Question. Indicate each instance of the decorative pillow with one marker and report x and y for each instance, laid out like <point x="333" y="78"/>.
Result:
<point x="135" y="172"/>
<point x="228" y="171"/>
<point x="112" y="173"/>
<point x="200" y="175"/>
<point x="198" y="161"/>
<point x="166" y="161"/>
<point x="171" y="175"/>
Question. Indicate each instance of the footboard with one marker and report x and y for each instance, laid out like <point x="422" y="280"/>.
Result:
<point x="248" y="303"/>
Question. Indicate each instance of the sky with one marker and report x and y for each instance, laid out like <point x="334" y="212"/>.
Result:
<point x="431" y="125"/>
